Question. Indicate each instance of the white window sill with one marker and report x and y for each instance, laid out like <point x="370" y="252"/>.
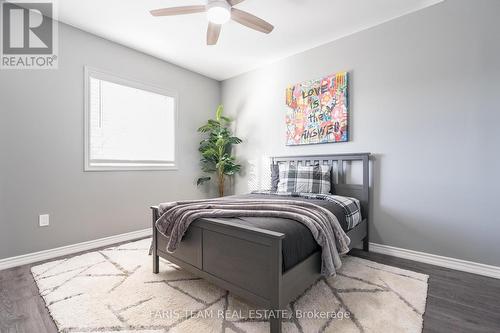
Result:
<point x="129" y="167"/>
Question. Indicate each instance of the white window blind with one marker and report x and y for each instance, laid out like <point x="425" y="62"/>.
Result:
<point x="129" y="125"/>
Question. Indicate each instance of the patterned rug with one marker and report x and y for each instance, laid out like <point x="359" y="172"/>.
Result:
<point x="114" y="290"/>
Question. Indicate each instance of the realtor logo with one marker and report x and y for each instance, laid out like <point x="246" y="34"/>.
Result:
<point x="29" y="31"/>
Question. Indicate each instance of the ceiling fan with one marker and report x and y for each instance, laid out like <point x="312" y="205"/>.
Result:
<point x="218" y="13"/>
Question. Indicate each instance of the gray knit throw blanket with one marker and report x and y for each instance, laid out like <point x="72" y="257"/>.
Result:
<point x="175" y="218"/>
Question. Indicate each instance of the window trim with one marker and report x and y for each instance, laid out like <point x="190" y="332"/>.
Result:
<point x="134" y="166"/>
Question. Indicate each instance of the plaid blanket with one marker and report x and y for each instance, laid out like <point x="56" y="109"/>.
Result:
<point x="351" y="206"/>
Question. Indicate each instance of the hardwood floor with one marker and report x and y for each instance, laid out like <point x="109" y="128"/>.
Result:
<point x="457" y="301"/>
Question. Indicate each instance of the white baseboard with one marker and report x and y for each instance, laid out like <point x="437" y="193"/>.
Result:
<point x="458" y="264"/>
<point x="70" y="249"/>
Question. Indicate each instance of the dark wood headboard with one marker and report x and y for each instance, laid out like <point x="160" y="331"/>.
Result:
<point x="337" y="162"/>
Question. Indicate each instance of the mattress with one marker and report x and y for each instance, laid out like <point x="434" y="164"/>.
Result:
<point x="298" y="243"/>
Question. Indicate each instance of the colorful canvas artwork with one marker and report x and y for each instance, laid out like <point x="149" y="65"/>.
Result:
<point x="317" y="111"/>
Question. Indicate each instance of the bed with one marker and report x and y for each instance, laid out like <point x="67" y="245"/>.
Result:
<point x="248" y="260"/>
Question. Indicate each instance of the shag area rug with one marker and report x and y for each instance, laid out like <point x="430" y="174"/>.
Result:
<point x="114" y="290"/>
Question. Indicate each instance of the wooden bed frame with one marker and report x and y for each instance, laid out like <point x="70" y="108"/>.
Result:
<point x="247" y="261"/>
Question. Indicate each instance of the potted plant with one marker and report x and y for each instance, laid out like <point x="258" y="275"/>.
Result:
<point x="216" y="150"/>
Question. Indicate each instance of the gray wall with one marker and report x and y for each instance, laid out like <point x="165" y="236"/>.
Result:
<point x="425" y="100"/>
<point x="41" y="142"/>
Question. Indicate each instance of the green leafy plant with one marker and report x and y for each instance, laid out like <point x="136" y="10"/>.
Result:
<point x="216" y="150"/>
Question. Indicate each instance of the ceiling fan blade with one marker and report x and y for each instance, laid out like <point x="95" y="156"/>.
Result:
<point x="234" y="2"/>
<point x="177" y="10"/>
<point x="213" y="33"/>
<point x="251" y="21"/>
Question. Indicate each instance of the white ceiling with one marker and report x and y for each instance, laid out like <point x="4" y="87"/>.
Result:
<point x="299" y="25"/>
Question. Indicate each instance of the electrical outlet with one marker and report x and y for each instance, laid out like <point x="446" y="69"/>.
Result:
<point x="43" y="220"/>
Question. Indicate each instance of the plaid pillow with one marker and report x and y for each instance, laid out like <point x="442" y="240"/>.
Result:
<point x="304" y="179"/>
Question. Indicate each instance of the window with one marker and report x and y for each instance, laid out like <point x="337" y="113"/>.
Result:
<point x="128" y="125"/>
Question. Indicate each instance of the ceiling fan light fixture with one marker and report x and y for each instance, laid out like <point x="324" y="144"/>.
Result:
<point x="218" y="12"/>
